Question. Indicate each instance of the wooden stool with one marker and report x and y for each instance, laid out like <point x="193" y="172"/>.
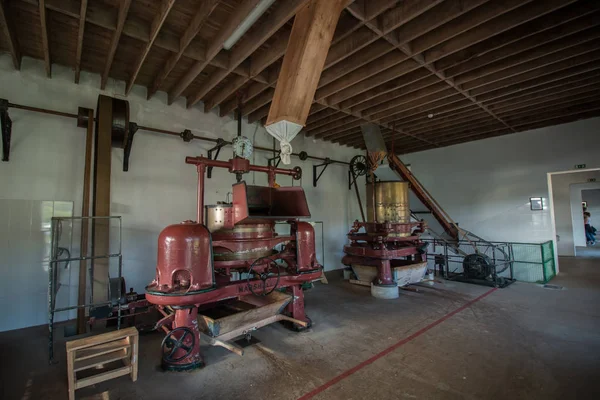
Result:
<point x="96" y="351"/>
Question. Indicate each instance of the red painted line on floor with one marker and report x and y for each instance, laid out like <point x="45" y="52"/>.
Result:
<point x="377" y="356"/>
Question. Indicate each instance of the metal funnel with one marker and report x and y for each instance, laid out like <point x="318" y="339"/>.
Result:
<point x="373" y="138"/>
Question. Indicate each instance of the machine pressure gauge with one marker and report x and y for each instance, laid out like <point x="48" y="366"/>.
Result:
<point x="242" y="147"/>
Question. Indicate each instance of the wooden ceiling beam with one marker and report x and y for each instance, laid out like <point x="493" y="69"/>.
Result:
<point x="122" y="16"/>
<point x="346" y="26"/>
<point x="11" y="38"/>
<point x="323" y="122"/>
<point x="330" y="125"/>
<point x="373" y="68"/>
<point x="528" y="122"/>
<point x="252" y="90"/>
<point x="324" y="134"/>
<point x="419" y="60"/>
<point x="80" y="32"/>
<point x="216" y="45"/>
<point x="405" y="12"/>
<point x="566" y="101"/>
<point x="542" y="51"/>
<point x="537" y="84"/>
<point x="44" y="35"/>
<point x="557" y="120"/>
<point x="106" y="17"/>
<point x="432" y="98"/>
<point x="464" y="23"/>
<point x="526" y="126"/>
<point x="350" y="45"/>
<point x="435" y="108"/>
<point x="351" y="133"/>
<point x="549" y="69"/>
<point x="533" y="65"/>
<point x="509" y="17"/>
<point x="433" y="18"/>
<point x="417" y="78"/>
<point x="562" y="33"/>
<point x="361" y="39"/>
<point x="319" y="115"/>
<point x="247" y="45"/>
<point x="553" y="112"/>
<point x="155" y="27"/>
<point x="538" y="26"/>
<point x="374" y="52"/>
<point x="259" y="114"/>
<point x="480" y="125"/>
<point x="364" y="37"/>
<point x="432" y="123"/>
<point x="258" y="101"/>
<point x="406" y="95"/>
<point x="548" y="94"/>
<point x="387" y="75"/>
<point x="191" y="31"/>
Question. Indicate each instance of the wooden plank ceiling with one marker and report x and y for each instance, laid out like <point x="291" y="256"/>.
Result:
<point x="432" y="73"/>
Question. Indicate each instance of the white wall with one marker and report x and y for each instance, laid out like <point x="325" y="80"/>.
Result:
<point x="564" y="215"/>
<point x="592" y="189"/>
<point x="486" y="185"/>
<point x="47" y="158"/>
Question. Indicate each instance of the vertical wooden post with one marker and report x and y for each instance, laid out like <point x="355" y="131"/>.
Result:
<point x="71" y="374"/>
<point x="134" y="356"/>
<point x="101" y="203"/>
<point x="85" y="212"/>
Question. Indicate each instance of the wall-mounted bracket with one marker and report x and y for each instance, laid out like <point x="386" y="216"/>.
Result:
<point x="6" y="124"/>
<point x="217" y="149"/>
<point x="133" y="128"/>
<point x="274" y="161"/>
<point x="316" y="176"/>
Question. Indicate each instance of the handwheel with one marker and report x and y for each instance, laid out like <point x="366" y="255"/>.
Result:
<point x="263" y="276"/>
<point x="171" y="344"/>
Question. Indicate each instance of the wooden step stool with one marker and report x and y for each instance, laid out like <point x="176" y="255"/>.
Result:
<point x="95" y="351"/>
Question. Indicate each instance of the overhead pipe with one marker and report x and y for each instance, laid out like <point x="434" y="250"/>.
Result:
<point x="162" y="131"/>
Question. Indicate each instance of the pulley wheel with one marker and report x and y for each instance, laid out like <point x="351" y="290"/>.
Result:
<point x="114" y="112"/>
<point x="359" y="165"/>
<point x="478" y="266"/>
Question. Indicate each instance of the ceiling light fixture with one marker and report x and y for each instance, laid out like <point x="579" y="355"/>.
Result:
<point x="242" y="28"/>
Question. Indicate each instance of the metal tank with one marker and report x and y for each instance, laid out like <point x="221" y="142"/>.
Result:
<point x="391" y="202"/>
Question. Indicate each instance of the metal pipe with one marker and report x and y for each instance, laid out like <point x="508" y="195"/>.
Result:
<point x="162" y="131"/>
<point x="85" y="212"/>
<point x="200" y="211"/>
<point x="226" y="164"/>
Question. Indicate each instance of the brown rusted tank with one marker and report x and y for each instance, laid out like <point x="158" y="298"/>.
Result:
<point x="184" y="260"/>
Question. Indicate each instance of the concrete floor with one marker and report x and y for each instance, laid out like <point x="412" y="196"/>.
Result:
<point x="588" y="252"/>
<point x="522" y="342"/>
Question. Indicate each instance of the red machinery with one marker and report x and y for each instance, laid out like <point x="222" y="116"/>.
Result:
<point x="202" y="263"/>
<point x="389" y="241"/>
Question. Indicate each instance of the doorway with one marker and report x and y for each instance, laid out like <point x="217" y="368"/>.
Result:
<point x="565" y="190"/>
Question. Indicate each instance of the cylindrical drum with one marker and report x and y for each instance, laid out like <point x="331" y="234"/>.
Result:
<point x="391" y="202"/>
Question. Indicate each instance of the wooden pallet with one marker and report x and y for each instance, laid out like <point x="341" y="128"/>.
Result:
<point x="95" y="352"/>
